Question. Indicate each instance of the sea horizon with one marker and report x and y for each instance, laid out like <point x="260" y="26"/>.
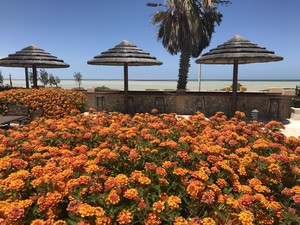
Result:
<point x="163" y="84"/>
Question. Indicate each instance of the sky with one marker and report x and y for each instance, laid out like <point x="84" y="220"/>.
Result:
<point x="76" y="31"/>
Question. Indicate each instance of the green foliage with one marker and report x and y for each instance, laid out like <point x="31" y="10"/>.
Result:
<point x="296" y="100"/>
<point x="53" y="80"/>
<point x="102" y="88"/>
<point x="186" y="27"/>
<point x="44" y="77"/>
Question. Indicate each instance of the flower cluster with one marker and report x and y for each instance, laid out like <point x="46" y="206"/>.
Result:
<point x="56" y="102"/>
<point x="111" y="168"/>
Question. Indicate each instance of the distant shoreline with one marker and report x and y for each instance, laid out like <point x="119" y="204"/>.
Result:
<point x="252" y="80"/>
<point x="143" y="84"/>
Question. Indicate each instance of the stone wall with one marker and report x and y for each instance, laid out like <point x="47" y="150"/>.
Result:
<point x="187" y="103"/>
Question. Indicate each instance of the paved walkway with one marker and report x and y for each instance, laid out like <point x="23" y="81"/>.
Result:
<point x="292" y="128"/>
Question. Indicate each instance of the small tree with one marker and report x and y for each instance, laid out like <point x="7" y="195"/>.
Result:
<point x="30" y="75"/>
<point x="44" y="77"/>
<point x="10" y="81"/>
<point x="53" y="80"/>
<point x="78" y="78"/>
<point x="57" y="80"/>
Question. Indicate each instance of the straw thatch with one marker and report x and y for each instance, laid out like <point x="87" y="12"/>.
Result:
<point x="238" y="48"/>
<point x="125" y="52"/>
<point x="32" y="56"/>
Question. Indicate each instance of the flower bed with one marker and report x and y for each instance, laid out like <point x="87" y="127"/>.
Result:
<point x="147" y="169"/>
<point x="56" y="102"/>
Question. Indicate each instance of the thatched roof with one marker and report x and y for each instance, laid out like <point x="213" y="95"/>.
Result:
<point x="125" y="52"/>
<point x="32" y="56"/>
<point x="238" y="48"/>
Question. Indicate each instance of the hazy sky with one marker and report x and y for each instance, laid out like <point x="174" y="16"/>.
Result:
<point x="77" y="30"/>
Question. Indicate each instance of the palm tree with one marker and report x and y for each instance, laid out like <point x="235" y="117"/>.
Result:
<point x="186" y="26"/>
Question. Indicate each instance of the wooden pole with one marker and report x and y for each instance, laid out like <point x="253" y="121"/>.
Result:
<point x="126" y="87"/>
<point x="234" y="87"/>
<point x="26" y="77"/>
<point x="34" y="74"/>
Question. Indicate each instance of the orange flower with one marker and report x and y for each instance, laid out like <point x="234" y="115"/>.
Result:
<point x="183" y="155"/>
<point x="103" y="220"/>
<point x="121" y="180"/>
<point x="152" y="219"/>
<point x="246" y="217"/>
<point x="208" y="197"/>
<point x="159" y="206"/>
<point x="131" y="193"/>
<point x="208" y="221"/>
<point x="15" y="213"/>
<point x="257" y="185"/>
<point x="112" y="198"/>
<point x="144" y="180"/>
<point x="85" y="210"/>
<point x="202" y="174"/>
<point x="124" y="217"/>
<point x="36" y="222"/>
<point x="296" y="198"/>
<point x="180" y="171"/>
<point x="173" y="202"/>
<point x="194" y="188"/>
<point x="150" y="166"/>
<point x="161" y="171"/>
<point x="180" y="221"/>
<point x="135" y="175"/>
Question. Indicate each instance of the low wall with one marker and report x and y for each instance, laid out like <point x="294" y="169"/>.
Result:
<point x="269" y="105"/>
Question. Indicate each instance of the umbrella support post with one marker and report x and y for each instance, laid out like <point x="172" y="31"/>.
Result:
<point x="126" y="87"/>
<point x="26" y="77"/>
<point x="234" y="87"/>
<point x="34" y="75"/>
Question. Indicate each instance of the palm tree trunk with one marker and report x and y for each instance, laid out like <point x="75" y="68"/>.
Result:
<point x="184" y="65"/>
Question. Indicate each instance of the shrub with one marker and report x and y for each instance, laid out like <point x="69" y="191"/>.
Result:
<point x="146" y="169"/>
<point x="102" y="88"/>
<point x="296" y="100"/>
<point x="56" y="102"/>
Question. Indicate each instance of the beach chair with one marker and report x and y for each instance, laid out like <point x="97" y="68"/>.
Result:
<point x="16" y="110"/>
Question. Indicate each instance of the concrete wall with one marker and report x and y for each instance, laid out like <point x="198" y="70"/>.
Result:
<point x="190" y="102"/>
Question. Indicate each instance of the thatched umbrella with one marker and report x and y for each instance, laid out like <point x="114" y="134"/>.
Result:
<point x="125" y="54"/>
<point x="236" y="51"/>
<point x="32" y="57"/>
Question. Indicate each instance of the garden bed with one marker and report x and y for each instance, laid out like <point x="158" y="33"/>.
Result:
<point x="149" y="169"/>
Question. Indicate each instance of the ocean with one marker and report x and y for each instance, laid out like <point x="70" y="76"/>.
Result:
<point x="193" y="85"/>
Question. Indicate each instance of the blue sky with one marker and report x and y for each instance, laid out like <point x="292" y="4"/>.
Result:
<point x="77" y="30"/>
